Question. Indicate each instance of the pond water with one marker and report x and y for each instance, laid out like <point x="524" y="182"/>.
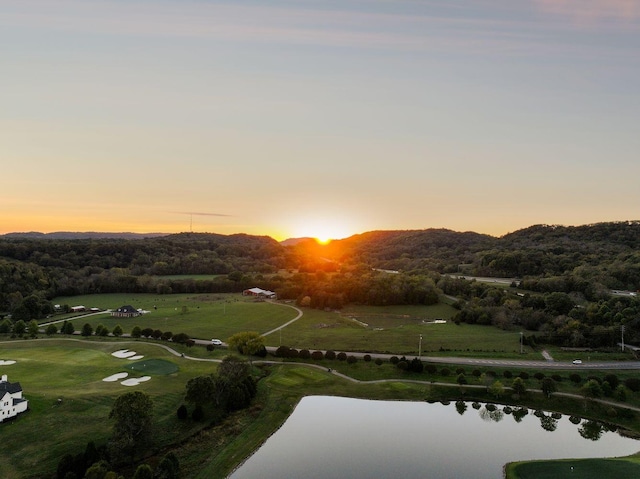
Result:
<point x="333" y="437"/>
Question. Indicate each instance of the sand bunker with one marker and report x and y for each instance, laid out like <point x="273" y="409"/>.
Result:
<point x="135" y="381"/>
<point x="115" y="377"/>
<point x="139" y="356"/>
<point x="6" y="362"/>
<point x="123" y="354"/>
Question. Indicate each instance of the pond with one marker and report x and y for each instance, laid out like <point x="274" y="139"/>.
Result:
<point x="334" y="437"/>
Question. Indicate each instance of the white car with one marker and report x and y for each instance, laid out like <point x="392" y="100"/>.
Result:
<point x="577" y="361"/>
<point x="216" y="342"/>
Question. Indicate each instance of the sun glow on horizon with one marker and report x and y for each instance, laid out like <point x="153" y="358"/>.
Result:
<point x="323" y="230"/>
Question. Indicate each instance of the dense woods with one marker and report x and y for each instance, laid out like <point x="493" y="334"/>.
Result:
<point x="562" y="277"/>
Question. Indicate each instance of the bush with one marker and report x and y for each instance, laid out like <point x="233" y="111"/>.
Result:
<point x="556" y="377"/>
<point x="378" y="362"/>
<point x="166" y="336"/>
<point x="524" y="375"/>
<point x="394" y="359"/>
<point x="507" y="374"/>
<point x="180" y="338"/>
<point x="342" y="356"/>
<point x="459" y="371"/>
<point x="293" y="353"/>
<point x="282" y="352"/>
<point x="147" y="332"/>
<point x="613" y="380"/>
<point x="575" y="378"/>
<point x="445" y="372"/>
<point x="330" y="354"/>
<point x="633" y="384"/>
<point x="403" y="365"/>
<point x="352" y="359"/>
<point x="136" y="332"/>
<point x="317" y="355"/>
<point x="182" y="412"/>
<point x="539" y="376"/>
<point x="210" y="347"/>
<point x="198" y="413"/>
<point x="304" y="354"/>
<point x="367" y="358"/>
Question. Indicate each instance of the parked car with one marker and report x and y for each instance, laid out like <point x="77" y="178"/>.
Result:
<point x="577" y="361"/>
<point x="216" y="342"/>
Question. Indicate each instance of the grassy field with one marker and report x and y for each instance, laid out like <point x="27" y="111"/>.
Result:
<point x="63" y="380"/>
<point x="203" y="316"/>
<point x="571" y="469"/>
<point x="69" y="403"/>
<point x="391" y="329"/>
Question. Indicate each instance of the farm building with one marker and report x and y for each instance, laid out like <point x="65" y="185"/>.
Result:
<point x="260" y="293"/>
<point x="11" y="401"/>
<point x="126" y="311"/>
<point x="78" y="309"/>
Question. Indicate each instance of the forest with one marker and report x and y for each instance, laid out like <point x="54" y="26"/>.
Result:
<point x="563" y="278"/>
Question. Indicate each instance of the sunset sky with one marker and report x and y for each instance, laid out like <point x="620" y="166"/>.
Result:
<point x="318" y="118"/>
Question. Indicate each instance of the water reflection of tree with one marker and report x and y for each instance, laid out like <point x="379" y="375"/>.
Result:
<point x="461" y="407"/>
<point x="548" y="423"/>
<point x="591" y="430"/>
<point x="520" y="413"/>
<point x="489" y="413"/>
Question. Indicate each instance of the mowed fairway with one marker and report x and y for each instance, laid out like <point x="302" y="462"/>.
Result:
<point x="576" y="468"/>
<point x="70" y="403"/>
<point x="201" y="316"/>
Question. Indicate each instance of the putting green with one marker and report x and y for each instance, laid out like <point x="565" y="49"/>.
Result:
<point x="153" y="366"/>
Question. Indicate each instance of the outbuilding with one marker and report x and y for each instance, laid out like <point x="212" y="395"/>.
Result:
<point x="11" y="401"/>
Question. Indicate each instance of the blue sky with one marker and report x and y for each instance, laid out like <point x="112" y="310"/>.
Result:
<point x="318" y="118"/>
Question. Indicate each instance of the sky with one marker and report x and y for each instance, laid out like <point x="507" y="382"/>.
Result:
<point x="317" y="118"/>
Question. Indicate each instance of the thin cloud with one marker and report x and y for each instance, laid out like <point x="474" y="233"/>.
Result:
<point x="195" y="213"/>
<point x="593" y="12"/>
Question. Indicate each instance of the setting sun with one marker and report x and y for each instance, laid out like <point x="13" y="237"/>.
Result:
<point x="323" y="230"/>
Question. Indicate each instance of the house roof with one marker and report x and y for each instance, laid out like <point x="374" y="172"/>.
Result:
<point x="10" y="388"/>
<point x="127" y="309"/>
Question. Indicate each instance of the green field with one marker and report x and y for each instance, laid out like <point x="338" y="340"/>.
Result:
<point x="391" y="329"/>
<point x="574" y="468"/>
<point x="69" y="401"/>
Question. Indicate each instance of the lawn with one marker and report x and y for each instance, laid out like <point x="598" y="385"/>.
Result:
<point x="571" y="469"/>
<point x="69" y="401"/>
<point x="202" y="316"/>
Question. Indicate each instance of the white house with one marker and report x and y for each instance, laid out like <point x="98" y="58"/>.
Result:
<point x="11" y="401"/>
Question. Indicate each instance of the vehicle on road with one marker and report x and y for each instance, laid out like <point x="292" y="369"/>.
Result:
<point x="216" y="342"/>
<point x="577" y="361"/>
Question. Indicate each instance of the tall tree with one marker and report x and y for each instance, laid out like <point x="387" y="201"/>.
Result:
<point x="133" y="414"/>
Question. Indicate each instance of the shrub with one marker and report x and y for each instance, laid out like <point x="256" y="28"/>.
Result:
<point x="198" y="413"/>
<point x="556" y="377"/>
<point x="304" y="354"/>
<point x="317" y="355"/>
<point x="342" y="356"/>
<point x="182" y="412"/>
<point x="378" y="361"/>
<point x="524" y="375"/>
<point x="613" y="380"/>
<point x="367" y="357"/>
<point x="147" y="332"/>
<point x="282" y="352"/>
<point x="633" y="384"/>
<point x="620" y="393"/>
<point x="539" y="376"/>
<point x="157" y="334"/>
<point x="180" y="338"/>
<point x="190" y="343"/>
<point x="352" y="359"/>
<point x="166" y="336"/>
<point x="461" y="379"/>
<point x="575" y="378"/>
<point x="394" y="359"/>
<point x="459" y="371"/>
<point x="403" y="365"/>
<point x="507" y="374"/>
<point x="136" y="332"/>
<point x="293" y="353"/>
<point x="330" y="354"/>
<point x="445" y="372"/>
<point x="210" y="347"/>
<point x="117" y="331"/>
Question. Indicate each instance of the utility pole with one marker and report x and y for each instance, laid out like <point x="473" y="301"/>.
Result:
<point x="521" y="351"/>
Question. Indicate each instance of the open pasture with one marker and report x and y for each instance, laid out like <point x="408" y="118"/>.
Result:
<point x="202" y="316"/>
<point x="70" y="403"/>
<point x="395" y="330"/>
